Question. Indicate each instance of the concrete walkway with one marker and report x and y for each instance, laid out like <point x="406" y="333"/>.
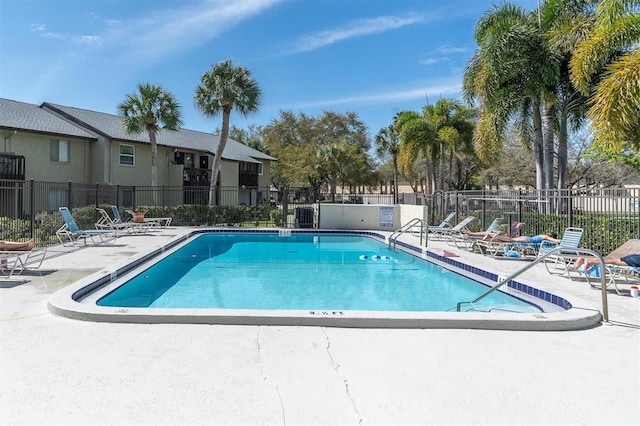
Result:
<point x="59" y="371"/>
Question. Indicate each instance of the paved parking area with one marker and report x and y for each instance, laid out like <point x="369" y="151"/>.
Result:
<point x="60" y="371"/>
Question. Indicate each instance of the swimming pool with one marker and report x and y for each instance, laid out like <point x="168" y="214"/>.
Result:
<point x="240" y="278"/>
<point x="315" y="272"/>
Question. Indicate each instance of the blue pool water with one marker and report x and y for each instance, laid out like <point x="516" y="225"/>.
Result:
<point x="300" y="272"/>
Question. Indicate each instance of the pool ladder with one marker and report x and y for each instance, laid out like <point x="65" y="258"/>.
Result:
<point x="559" y="250"/>
<point x="424" y="231"/>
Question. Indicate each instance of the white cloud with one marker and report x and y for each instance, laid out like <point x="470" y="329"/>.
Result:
<point x="161" y="33"/>
<point x="443" y="54"/>
<point x="444" y="87"/>
<point x="358" y="28"/>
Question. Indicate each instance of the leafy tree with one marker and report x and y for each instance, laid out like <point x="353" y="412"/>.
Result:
<point x="610" y="57"/>
<point x="223" y="88"/>
<point x="149" y="110"/>
<point x="251" y="136"/>
<point x="312" y="151"/>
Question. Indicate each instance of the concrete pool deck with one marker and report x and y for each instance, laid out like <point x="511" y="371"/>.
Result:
<point x="57" y="370"/>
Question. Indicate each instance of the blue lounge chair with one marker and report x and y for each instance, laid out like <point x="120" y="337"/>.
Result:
<point x="70" y="232"/>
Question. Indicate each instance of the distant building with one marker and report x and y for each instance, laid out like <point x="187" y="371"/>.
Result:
<point x="56" y="143"/>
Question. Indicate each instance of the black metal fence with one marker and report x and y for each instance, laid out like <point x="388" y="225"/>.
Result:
<point x="30" y="209"/>
<point x="609" y="217"/>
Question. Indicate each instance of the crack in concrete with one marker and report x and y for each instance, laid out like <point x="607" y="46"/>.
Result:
<point x="337" y="368"/>
<point x="266" y="378"/>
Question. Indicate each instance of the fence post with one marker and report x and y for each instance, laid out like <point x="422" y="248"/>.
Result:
<point x="69" y="192"/>
<point x="285" y="208"/>
<point x="569" y="206"/>
<point x="32" y="210"/>
<point x="117" y="196"/>
<point x="133" y="198"/>
<point x="520" y="201"/>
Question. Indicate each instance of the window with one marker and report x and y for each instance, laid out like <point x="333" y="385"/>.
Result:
<point x="59" y="151"/>
<point x="127" y="155"/>
<point x="255" y="168"/>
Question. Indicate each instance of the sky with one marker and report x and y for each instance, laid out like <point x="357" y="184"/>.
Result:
<point x="372" y="57"/>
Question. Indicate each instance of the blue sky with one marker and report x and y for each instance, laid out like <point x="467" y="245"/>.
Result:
<point x="372" y="57"/>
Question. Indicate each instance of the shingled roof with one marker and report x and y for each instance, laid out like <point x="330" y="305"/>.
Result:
<point x="54" y="119"/>
<point x="111" y="126"/>
<point x="16" y="115"/>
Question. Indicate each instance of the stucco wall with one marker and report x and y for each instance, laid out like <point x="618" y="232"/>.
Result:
<point x="362" y="216"/>
<point x="38" y="165"/>
<point x="358" y="216"/>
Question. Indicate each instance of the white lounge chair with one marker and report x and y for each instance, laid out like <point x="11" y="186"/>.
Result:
<point x="14" y="262"/>
<point x="447" y="233"/>
<point x="105" y="222"/>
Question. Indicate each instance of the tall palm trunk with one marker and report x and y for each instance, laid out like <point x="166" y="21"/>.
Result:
<point x="548" y="143"/>
<point x="154" y="166"/>
<point x="537" y="145"/>
<point x="217" y="160"/>
<point x="395" y="178"/>
<point x="563" y="148"/>
<point x="441" y="164"/>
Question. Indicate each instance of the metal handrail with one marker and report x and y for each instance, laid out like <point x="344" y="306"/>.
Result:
<point x="413" y="222"/>
<point x="576" y="251"/>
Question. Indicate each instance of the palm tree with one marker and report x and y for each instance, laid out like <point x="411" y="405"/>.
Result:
<point x="150" y="109"/>
<point x="452" y="122"/>
<point x="388" y="142"/>
<point x="223" y="88"/>
<point x="418" y="136"/>
<point x="510" y="75"/>
<point x="610" y="56"/>
<point x="565" y="24"/>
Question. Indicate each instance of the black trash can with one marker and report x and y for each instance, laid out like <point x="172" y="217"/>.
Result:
<point x="304" y="217"/>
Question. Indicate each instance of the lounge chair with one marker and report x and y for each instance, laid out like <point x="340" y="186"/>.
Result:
<point x="70" y="232"/>
<point x="447" y="233"/>
<point x="105" y="222"/>
<point x="14" y="262"/>
<point x="445" y="224"/>
<point x="152" y="221"/>
<point x="463" y="240"/>
<point x="559" y="262"/>
<point x="521" y="250"/>
<point x="614" y="274"/>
